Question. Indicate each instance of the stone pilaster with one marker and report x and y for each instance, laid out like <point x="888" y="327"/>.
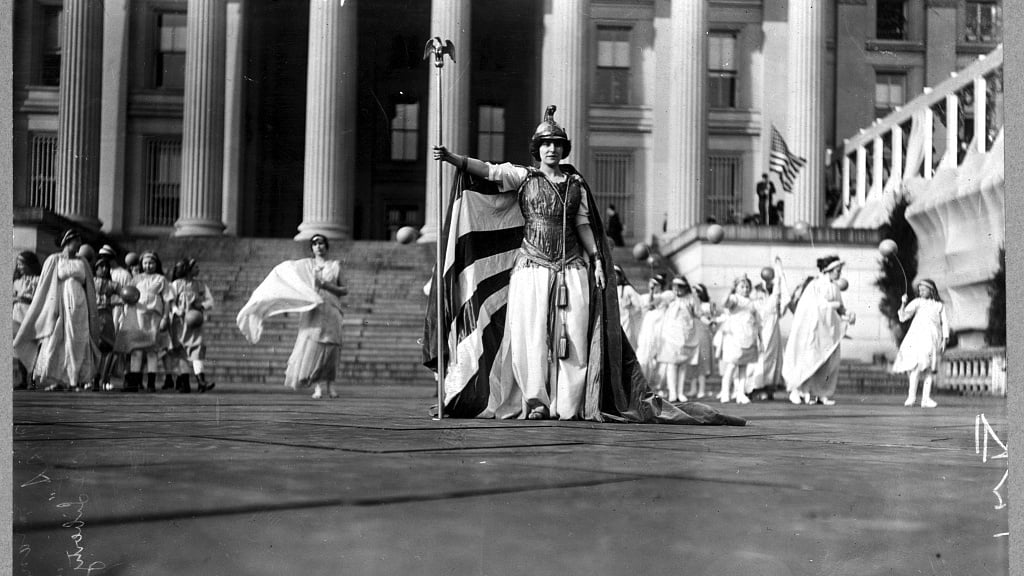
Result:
<point x="79" y="115"/>
<point x="449" y="20"/>
<point x="234" y="85"/>
<point x="202" y="149"/>
<point x="688" y="114"/>
<point x="805" y="130"/>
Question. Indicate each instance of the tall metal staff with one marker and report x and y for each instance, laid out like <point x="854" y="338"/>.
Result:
<point x="439" y="48"/>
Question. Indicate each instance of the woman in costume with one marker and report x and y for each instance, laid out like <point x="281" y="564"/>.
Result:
<point x="311" y="287"/>
<point x="107" y="300"/>
<point x="810" y="364"/>
<point x="924" y="342"/>
<point x="562" y="352"/>
<point x="26" y="279"/>
<point x="59" y="336"/>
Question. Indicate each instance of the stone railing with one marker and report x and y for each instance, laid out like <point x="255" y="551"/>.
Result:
<point x="974" y="372"/>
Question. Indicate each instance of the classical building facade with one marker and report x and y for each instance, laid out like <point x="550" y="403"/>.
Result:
<point x="281" y="119"/>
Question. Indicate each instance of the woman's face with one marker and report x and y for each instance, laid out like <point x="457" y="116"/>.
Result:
<point x="680" y="289"/>
<point x="835" y="273"/>
<point x="72" y="246"/>
<point x="319" y="247"/>
<point x="551" y="152"/>
<point x="924" y="291"/>
<point x="19" y="266"/>
<point x="194" y="272"/>
<point x="743" y="288"/>
<point x="149" y="265"/>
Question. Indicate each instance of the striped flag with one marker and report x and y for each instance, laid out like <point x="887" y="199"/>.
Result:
<point x="482" y="232"/>
<point x="783" y="162"/>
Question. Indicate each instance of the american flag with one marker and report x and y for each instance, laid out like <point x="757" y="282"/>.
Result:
<point x="783" y="162"/>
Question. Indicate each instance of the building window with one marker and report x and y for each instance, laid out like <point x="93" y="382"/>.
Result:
<point x="723" y="202"/>
<point x="613" y="71"/>
<point x="982" y="21"/>
<point x="162" y="182"/>
<point x="490" y="144"/>
<point x="613" y="179"/>
<point x="170" y="52"/>
<point x="42" y="161"/>
<point x="401" y="215"/>
<point x="890" y="92"/>
<point x="405" y="132"/>
<point x="891" y="20"/>
<point x="51" y="28"/>
<point x="721" y="70"/>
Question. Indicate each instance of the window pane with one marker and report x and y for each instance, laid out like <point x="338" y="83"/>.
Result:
<point x="53" y="19"/>
<point x="721" y="51"/>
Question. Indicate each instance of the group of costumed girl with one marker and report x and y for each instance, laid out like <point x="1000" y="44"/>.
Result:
<point x="79" y="319"/>
<point x="683" y="334"/>
<point x="530" y="326"/>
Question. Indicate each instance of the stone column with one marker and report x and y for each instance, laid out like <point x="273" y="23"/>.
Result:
<point x="564" y="73"/>
<point x="449" y="20"/>
<point x="114" y="117"/>
<point x="234" y="85"/>
<point x="78" y="131"/>
<point x="202" y="147"/>
<point x="329" y="180"/>
<point x="688" y="115"/>
<point x="805" y="132"/>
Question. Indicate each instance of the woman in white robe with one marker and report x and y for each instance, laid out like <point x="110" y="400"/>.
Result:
<point x="631" y="311"/>
<point x="59" y="335"/>
<point x="810" y="364"/>
<point x="311" y="287"/>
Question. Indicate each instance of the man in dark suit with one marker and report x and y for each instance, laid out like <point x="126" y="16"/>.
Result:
<point x="765" y="192"/>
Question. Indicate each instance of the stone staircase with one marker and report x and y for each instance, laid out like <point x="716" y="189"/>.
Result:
<point x="383" y="311"/>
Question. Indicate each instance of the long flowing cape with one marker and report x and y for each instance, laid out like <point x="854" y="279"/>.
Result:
<point x="287" y="288"/>
<point x="482" y="232"/>
<point x="39" y="321"/>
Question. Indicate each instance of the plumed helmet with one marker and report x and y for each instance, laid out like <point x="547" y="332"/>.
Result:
<point x="548" y="129"/>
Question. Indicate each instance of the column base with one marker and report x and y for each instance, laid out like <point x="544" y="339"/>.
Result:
<point x="329" y="229"/>
<point x="428" y="234"/>
<point x="196" y="227"/>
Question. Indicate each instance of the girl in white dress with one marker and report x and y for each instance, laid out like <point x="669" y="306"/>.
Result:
<point x="653" y="303"/>
<point x="631" y="310"/>
<point x="679" y="341"/>
<point x="925" y="341"/>
<point x="701" y="365"/>
<point x="741" y="341"/>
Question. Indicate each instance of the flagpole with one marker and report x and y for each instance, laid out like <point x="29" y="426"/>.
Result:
<point x="438" y="48"/>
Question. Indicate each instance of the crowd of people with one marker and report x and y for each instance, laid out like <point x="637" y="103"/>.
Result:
<point x="85" y="317"/>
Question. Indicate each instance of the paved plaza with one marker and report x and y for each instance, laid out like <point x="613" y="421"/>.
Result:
<point x="269" y="482"/>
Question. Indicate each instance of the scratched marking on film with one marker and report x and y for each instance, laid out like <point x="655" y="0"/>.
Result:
<point x="982" y="432"/>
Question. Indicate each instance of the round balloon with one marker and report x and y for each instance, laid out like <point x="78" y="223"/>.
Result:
<point x="888" y="247"/>
<point x="130" y="294"/>
<point x="193" y="318"/>
<point x="641" y="251"/>
<point x="801" y="228"/>
<point x="406" y="234"/>
<point x="86" y="252"/>
<point x="843" y="284"/>
<point x="716" y="233"/>
<point x="131" y="259"/>
<point x="767" y="273"/>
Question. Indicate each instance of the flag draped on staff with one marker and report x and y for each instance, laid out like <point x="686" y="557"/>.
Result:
<point x="783" y="162"/>
<point x="482" y="234"/>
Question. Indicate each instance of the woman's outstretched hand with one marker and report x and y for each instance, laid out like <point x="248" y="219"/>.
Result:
<point x="441" y="153"/>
